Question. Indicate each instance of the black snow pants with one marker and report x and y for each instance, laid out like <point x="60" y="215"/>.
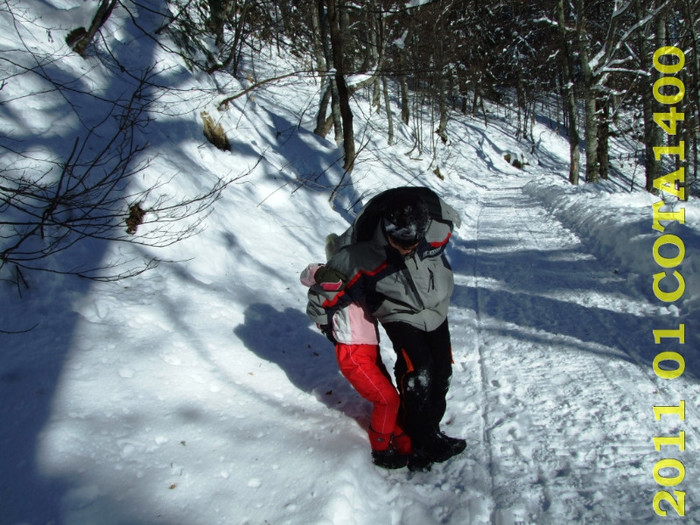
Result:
<point x="423" y="370"/>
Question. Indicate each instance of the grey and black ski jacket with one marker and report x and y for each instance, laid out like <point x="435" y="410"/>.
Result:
<point x="414" y="289"/>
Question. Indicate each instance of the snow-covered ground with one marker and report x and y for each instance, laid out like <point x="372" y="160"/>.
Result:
<point x="199" y="392"/>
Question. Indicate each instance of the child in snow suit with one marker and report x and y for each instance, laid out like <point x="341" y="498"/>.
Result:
<point x="356" y="341"/>
<point x="394" y="258"/>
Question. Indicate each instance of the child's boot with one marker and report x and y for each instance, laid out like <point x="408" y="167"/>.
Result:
<point x="383" y="454"/>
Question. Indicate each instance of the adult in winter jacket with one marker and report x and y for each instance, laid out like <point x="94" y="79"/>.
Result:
<point x="356" y="341"/>
<point x="393" y="264"/>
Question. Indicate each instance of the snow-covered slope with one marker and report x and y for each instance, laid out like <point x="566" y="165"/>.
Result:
<point x="199" y="392"/>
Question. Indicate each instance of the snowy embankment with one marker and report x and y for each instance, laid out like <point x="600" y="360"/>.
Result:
<point x="617" y="227"/>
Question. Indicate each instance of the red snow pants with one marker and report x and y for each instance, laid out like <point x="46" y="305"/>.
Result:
<point x="362" y="365"/>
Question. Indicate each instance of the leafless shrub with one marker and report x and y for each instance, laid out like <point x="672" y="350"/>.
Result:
<point x="49" y="206"/>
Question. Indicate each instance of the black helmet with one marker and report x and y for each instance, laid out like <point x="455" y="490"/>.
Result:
<point x="406" y="220"/>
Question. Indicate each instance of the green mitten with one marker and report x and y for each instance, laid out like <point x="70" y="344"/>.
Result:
<point x="330" y="279"/>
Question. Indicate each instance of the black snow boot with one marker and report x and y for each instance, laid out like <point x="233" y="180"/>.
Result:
<point x="418" y="462"/>
<point x="455" y="445"/>
<point x="389" y="458"/>
<point x="438" y="447"/>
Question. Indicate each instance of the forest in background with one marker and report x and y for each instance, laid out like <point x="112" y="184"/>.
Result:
<point x="591" y="63"/>
<point x="596" y="71"/>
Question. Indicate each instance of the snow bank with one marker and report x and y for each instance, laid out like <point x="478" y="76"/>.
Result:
<point x="618" y="228"/>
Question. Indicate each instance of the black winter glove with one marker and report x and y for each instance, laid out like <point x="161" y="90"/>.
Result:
<point x="327" y="330"/>
<point x="330" y="279"/>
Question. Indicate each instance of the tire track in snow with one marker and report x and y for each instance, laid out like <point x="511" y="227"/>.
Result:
<point x="486" y="440"/>
<point x="491" y="238"/>
<point x="469" y="381"/>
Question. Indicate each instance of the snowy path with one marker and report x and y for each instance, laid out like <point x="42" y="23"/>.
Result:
<point x="549" y="374"/>
<point x="202" y="395"/>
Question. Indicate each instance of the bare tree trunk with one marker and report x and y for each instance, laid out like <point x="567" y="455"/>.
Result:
<point x="522" y="108"/>
<point x="387" y="108"/>
<point x="442" y="103"/>
<point x="603" y="137"/>
<point x="334" y="24"/>
<point x="374" y="53"/>
<point x="569" y="99"/>
<point x="463" y="95"/>
<point x="322" y="67"/>
<point x="405" y="101"/>
<point x="328" y="54"/>
<point x="589" y="97"/>
<point x="653" y="134"/>
<point x="322" y="127"/>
